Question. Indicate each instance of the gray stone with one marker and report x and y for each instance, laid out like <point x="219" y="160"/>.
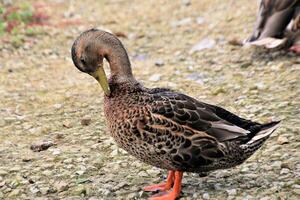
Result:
<point x="182" y="22"/>
<point x="56" y="152"/>
<point x="276" y="164"/>
<point x="231" y="192"/>
<point x="159" y="63"/>
<point x="153" y="172"/>
<point x="44" y="190"/>
<point x="206" y="43"/>
<point x="200" y="20"/>
<point x="186" y="2"/>
<point x="284" y="171"/>
<point x="205" y="196"/>
<point x="155" y="77"/>
<point x="34" y="189"/>
<point x="41" y="146"/>
<point x="80" y="172"/>
<point x="61" y="186"/>
<point x="282" y="140"/>
<point x="143" y="174"/>
<point x="245" y="169"/>
<point x="297" y="186"/>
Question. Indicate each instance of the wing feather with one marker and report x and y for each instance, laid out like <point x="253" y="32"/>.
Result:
<point x="198" y="116"/>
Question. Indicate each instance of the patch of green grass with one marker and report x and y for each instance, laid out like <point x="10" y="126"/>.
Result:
<point x="2" y="25"/>
<point x="15" y="22"/>
<point x="22" y="14"/>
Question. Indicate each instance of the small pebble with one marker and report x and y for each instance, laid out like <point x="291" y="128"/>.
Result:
<point x="284" y="171"/>
<point x="159" y="63"/>
<point x="182" y="22"/>
<point x="42" y="146"/>
<point x="56" y="152"/>
<point x="206" y="43"/>
<point x="2" y="183"/>
<point x="57" y="106"/>
<point x="205" y="196"/>
<point x="231" y="192"/>
<point x="282" y="140"/>
<point x="143" y="174"/>
<point x="44" y="190"/>
<point x="155" y="77"/>
<point x="200" y="20"/>
<point x="34" y="189"/>
<point x="85" y="121"/>
<point x="61" y="186"/>
<point x="186" y="2"/>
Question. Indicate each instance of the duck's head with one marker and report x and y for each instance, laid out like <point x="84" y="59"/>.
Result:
<point x="87" y="56"/>
<point x="89" y="50"/>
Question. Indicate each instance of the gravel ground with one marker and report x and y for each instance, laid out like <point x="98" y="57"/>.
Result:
<point x="185" y="45"/>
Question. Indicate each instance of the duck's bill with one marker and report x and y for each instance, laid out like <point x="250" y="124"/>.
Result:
<point x="100" y="76"/>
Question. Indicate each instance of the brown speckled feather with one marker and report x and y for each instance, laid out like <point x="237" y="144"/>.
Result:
<point x="173" y="131"/>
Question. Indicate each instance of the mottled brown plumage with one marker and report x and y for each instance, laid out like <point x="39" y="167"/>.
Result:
<point x="272" y="21"/>
<point x="162" y="127"/>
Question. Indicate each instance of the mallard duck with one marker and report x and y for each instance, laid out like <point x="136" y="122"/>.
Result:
<point x="161" y="127"/>
<point x="272" y="21"/>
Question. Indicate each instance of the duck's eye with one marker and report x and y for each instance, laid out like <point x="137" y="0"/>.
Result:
<point x="82" y="61"/>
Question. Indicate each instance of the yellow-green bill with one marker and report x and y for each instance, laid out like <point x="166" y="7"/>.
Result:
<point x="100" y="76"/>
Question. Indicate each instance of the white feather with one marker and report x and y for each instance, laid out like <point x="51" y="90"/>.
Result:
<point x="263" y="133"/>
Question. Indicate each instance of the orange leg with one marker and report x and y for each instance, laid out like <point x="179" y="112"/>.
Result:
<point x="162" y="186"/>
<point x="171" y="195"/>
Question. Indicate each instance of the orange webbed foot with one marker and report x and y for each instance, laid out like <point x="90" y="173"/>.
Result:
<point x="157" y="187"/>
<point x="173" y="177"/>
<point x="162" y="186"/>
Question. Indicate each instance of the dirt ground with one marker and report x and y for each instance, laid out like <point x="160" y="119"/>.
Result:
<point x="45" y="98"/>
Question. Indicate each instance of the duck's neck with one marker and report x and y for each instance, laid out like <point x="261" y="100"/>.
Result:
<point x="116" y="55"/>
<point x="120" y="67"/>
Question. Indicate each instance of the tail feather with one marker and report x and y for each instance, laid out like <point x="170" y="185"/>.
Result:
<point x="265" y="131"/>
<point x="259" y="138"/>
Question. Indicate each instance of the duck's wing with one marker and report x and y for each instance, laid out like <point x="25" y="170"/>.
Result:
<point x="273" y="18"/>
<point x="192" y="131"/>
<point x="213" y="120"/>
